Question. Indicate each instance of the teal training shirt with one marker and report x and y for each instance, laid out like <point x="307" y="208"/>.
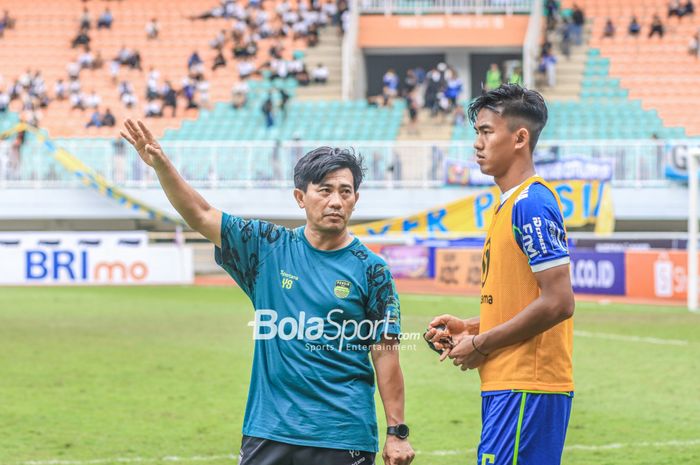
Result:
<point x="316" y="315"/>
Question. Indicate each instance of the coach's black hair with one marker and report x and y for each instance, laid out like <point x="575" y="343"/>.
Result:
<point x="318" y="163"/>
<point x="520" y="106"/>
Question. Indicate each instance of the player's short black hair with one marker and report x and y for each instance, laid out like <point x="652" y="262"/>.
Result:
<point x="520" y="106"/>
<point x="318" y="163"/>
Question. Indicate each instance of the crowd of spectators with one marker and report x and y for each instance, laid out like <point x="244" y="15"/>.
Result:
<point x="249" y="25"/>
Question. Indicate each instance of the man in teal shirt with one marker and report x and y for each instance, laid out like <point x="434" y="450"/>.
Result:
<point x="324" y="304"/>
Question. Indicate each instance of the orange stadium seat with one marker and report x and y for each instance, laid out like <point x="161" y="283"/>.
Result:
<point x="44" y="30"/>
<point x="658" y="71"/>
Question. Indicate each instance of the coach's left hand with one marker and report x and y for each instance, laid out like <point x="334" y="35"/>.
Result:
<point x="397" y="451"/>
<point x="463" y="354"/>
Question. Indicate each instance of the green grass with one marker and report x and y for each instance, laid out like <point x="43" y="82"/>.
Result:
<point x="106" y="373"/>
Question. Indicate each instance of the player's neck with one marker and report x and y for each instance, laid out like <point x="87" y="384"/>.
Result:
<point x="514" y="177"/>
<point x="325" y="241"/>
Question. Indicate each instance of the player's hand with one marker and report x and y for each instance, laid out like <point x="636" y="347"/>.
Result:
<point x="397" y="451"/>
<point x="445" y="327"/>
<point x="138" y="135"/>
<point x="463" y="354"/>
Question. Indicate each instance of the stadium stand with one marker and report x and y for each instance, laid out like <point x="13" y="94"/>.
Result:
<point x="657" y="71"/>
<point x="42" y="39"/>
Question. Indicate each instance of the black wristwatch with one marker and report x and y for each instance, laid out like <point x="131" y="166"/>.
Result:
<point x="400" y="431"/>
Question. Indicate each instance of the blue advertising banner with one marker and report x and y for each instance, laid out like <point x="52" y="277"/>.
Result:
<point x="598" y="273"/>
<point x="468" y="173"/>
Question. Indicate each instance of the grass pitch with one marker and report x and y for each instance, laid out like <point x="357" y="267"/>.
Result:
<point x="150" y="375"/>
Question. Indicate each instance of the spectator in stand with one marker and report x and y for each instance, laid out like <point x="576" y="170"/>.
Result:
<point x="188" y="91"/>
<point x="565" y="37"/>
<point x="410" y="81"/>
<point x="432" y="87"/>
<point x="77" y="101"/>
<point x="239" y="94"/>
<point x="129" y="100"/>
<point x="552" y="11"/>
<point x="284" y="99"/>
<point x="689" y="8"/>
<point x="219" y="40"/>
<point x="216" y="12"/>
<point x="657" y="27"/>
<point x="7" y="21"/>
<point x="320" y="74"/>
<point x="114" y="70"/>
<point x="694" y="45"/>
<point x="95" y="119"/>
<point x="203" y="87"/>
<point x="93" y="100"/>
<point x="154" y="109"/>
<point x="245" y="69"/>
<point x="578" y="19"/>
<point x="675" y="9"/>
<point x="81" y="39"/>
<point x="453" y="87"/>
<point x="105" y="20"/>
<point x="108" y="119"/>
<point x="126" y="94"/>
<point x="516" y="76"/>
<point x="59" y="90"/>
<point x="194" y="63"/>
<point x="74" y="86"/>
<point x="548" y="63"/>
<point x="267" y="109"/>
<point x="634" y="27"/>
<point x="169" y="97"/>
<point x="412" y="108"/>
<point x="390" y="85"/>
<point x="493" y="77"/>
<point x="219" y="61"/>
<point x="152" y="29"/>
<point x="609" y="29"/>
<point x="86" y="59"/>
<point x="303" y="77"/>
<point x="85" y="19"/>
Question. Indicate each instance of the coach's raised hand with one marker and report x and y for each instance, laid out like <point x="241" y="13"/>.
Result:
<point x="193" y="208"/>
<point x="138" y="135"/>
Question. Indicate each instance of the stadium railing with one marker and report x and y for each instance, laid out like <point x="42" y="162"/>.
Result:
<point x="390" y="164"/>
<point x="416" y="7"/>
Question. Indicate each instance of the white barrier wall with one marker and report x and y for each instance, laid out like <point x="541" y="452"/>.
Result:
<point x="101" y="260"/>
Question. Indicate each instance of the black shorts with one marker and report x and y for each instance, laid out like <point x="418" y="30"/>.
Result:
<point x="258" y="451"/>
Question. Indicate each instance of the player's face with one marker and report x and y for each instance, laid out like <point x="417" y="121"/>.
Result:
<point x="329" y="204"/>
<point x="494" y="144"/>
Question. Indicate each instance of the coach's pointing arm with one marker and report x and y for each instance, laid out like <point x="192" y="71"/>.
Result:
<point x="196" y="211"/>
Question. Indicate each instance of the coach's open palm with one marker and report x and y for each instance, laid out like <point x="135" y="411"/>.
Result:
<point x="138" y="135"/>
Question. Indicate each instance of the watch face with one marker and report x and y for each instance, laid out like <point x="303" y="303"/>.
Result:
<point x="402" y="431"/>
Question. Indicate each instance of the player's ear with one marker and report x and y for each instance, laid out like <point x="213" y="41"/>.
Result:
<point x="522" y="138"/>
<point x="299" y="197"/>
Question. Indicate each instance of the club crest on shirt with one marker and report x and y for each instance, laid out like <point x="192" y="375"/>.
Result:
<point x="341" y="289"/>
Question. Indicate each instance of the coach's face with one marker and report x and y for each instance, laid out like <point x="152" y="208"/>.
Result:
<point x="329" y="204"/>
<point x="495" y="143"/>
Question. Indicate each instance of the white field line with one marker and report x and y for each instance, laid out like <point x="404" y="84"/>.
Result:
<point x="164" y="459"/>
<point x="210" y="458"/>
<point x="625" y="338"/>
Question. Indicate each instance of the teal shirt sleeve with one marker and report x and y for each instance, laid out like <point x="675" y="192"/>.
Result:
<point x="244" y="246"/>
<point x="383" y="300"/>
